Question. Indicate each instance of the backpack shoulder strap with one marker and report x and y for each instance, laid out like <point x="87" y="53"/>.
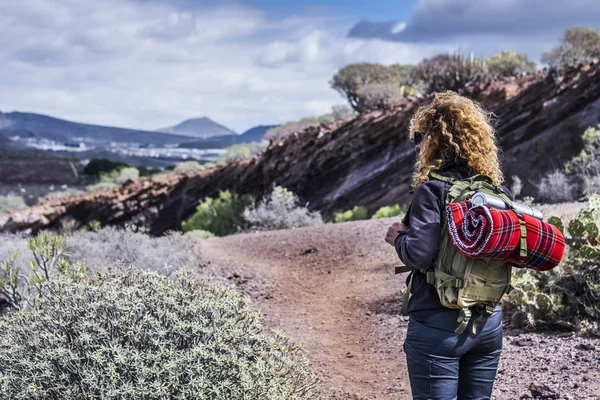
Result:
<point x="442" y="178"/>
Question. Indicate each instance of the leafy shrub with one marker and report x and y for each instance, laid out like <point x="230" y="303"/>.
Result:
<point x="577" y="45"/>
<point x="380" y="96"/>
<point x="240" y="151"/>
<point x="390" y="211"/>
<point x="351" y="79"/>
<point x="94" y="225"/>
<point x="11" y="202"/>
<point x="115" y="178"/>
<point x="280" y="210"/>
<point x="98" y="166"/>
<point x="509" y="63"/>
<point x="369" y="87"/>
<point x="450" y="72"/>
<point x="221" y="216"/>
<point x="556" y="187"/>
<point x="568" y="295"/>
<point x="127" y="174"/>
<point x="188" y="166"/>
<point x="357" y="213"/>
<point x="200" y="234"/>
<point x="140" y="335"/>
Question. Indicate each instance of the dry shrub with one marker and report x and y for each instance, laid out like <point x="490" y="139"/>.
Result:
<point x="556" y="187"/>
<point x="280" y="210"/>
<point x="141" y="335"/>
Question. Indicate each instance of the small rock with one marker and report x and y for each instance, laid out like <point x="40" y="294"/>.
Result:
<point x="585" y="347"/>
<point x="543" y="391"/>
<point x="349" y="355"/>
<point x="310" y="250"/>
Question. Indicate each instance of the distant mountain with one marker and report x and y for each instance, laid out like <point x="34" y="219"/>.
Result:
<point x="202" y="128"/>
<point x="60" y="130"/>
<point x="251" y="135"/>
<point x="256" y="134"/>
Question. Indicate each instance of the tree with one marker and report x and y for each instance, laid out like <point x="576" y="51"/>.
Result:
<point x="450" y="72"/>
<point x="402" y="74"/>
<point x="577" y="45"/>
<point x="349" y="81"/>
<point x="380" y="96"/>
<point x="509" y="63"/>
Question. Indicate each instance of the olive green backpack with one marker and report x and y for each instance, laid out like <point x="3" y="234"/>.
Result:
<point x="463" y="282"/>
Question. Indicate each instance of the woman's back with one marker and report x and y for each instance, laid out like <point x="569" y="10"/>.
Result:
<point x="454" y="139"/>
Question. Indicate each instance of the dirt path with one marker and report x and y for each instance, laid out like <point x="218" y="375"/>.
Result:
<point x="332" y="288"/>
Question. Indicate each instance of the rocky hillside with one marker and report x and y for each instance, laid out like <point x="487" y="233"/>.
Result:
<point x="365" y="161"/>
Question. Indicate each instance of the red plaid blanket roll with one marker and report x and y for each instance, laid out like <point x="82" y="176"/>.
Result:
<point x="486" y="232"/>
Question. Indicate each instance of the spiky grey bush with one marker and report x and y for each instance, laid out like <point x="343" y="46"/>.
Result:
<point x="556" y="187"/>
<point x="140" y="335"/>
<point x="280" y="210"/>
<point x="111" y="246"/>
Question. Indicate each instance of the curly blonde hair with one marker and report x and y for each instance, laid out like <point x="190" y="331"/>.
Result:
<point x="454" y="127"/>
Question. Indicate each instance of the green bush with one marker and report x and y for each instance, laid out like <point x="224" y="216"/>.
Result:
<point x="568" y="295"/>
<point x="510" y="63"/>
<point x="11" y="202"/>
<point x="188" y="166"/>
<point x="240" y="151"/>
<point x="221" y="216"/>
<point x="115" y="178"/>
<point x="141" y="335"/>
<point x="200" y="234"/>
<point x="97" y="166"/>
<point x="390" y="211"/>
<point x="356" y="214"/>
<point x="451" y="72"/>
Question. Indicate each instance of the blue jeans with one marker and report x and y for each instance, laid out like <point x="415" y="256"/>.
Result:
<point x="444" y="366"/>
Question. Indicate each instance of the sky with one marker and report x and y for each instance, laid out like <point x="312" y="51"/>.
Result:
<point x="149" y="64"/>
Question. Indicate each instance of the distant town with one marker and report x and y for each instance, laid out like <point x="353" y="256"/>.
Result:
<point x="79" y="145"/>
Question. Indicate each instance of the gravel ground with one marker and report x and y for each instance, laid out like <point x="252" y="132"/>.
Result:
<point x="332" y="287"/>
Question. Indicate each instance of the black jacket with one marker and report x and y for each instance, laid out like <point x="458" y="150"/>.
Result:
<point x="419" y="245"/>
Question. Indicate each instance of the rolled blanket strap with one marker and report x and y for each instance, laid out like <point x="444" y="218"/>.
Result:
<point x="545" y="246"/>
<point x="486" y="232"/>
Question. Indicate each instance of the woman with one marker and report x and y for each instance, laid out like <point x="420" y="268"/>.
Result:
<point x="454" y="139"/>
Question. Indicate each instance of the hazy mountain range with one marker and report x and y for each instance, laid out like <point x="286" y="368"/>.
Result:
<point x="198" y="132"/>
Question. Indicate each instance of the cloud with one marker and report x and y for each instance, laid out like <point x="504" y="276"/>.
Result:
<point x="154" y="63"/>
<point x="511" y="21"/>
